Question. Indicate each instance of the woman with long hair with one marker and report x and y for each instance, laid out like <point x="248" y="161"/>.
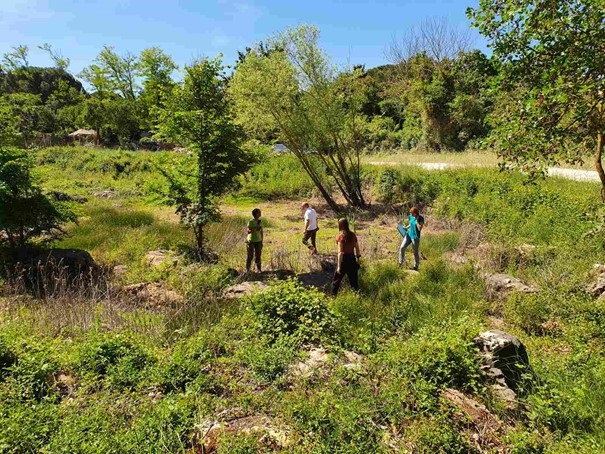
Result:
<point x="348" y="256"/>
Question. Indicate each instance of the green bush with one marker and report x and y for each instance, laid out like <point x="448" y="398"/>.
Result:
<point x="116" y="358"/>
<point x="269" y="359"/>
<point x="288" y="309"/>
<point x="443" y="355"/>
<point x="186" y="368"/>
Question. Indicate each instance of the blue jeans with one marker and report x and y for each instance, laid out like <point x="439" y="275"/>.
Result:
<point x="415" y="246"/>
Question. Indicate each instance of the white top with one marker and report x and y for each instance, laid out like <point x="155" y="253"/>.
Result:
<point x="311" y="216"/>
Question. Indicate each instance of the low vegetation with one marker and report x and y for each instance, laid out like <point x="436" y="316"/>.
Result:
<point x="101" y="370"/>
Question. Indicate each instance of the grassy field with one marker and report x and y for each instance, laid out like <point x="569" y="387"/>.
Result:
<point x="104" y="372"/>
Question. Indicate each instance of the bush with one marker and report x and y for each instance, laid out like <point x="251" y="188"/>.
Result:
<point x="116" y="358"/>
<point x="442" y="355"/>
<point x="288" y="309"/>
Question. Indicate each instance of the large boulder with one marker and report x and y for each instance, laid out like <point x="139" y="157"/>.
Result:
<point x="504" y="359"/>
<point x="71" y="261"/>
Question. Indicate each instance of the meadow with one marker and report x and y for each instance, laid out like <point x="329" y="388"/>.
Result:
<point x="97" y="370"/>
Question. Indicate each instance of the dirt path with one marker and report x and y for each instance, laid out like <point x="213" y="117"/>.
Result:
<point x="570" y="174"/>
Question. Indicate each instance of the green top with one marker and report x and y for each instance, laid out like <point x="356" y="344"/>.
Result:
<point x="255" y="228"/>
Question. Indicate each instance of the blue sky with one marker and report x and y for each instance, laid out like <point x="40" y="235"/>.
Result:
<point x="351" y="31"/>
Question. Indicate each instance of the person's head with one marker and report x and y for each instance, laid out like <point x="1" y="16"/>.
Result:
<point x="414" y="212"/>
<point x="256" y="213"/>
<point x="304" y="206"/>
<point x="343" y="225"/>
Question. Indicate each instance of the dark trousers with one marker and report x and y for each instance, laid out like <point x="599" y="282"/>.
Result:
<point x="310" y="235"/>
<point x="349" y="267"/>
<point x="254" y="250"/>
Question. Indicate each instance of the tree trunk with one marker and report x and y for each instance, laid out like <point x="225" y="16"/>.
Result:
<point x="599" y="162"/>
<point x="199" y="242"/>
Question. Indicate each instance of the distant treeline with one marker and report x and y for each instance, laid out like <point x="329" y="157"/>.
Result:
<point x="424" y="100"/>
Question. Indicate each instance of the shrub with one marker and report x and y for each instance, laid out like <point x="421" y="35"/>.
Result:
<point x="116" y="358"/>
<point x="185" y="369"/>
<point x="442" y="355"/>
<point x="287" y="308"/>
<point x="268" y="360"/>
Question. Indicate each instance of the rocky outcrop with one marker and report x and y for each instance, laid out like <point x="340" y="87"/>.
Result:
<point x="153" y="294"/>
<point x="159" y="257"/>
<point x="64" y="197"/>
<point x="271" y="434"/>
<point x="318" y="359"/>
<point x="505" y="362"/>
<point x="244" y="289"/>
<point x="502" y="284"/>
<point x="73" y="262"/>
<point x="485" y="428"/>
<point x="596" y="287"/>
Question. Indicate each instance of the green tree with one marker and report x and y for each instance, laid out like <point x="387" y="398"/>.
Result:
<point x="199" y="117"/>
<point x="315" y="108"/>
<point x="16" y="59"/>
<point x="25" y="212"/>
<point x="156" y="68"/>
<point x="552" y="80"/>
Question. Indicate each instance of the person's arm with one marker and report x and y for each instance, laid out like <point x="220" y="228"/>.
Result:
<point x="357" y="250"/>
<point x="339" y="261"/>
<point x="306" y="224"/>
<point x="420" y="225"/>
<point x="262" y="233"/>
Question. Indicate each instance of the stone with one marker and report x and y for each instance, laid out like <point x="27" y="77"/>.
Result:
<point x="73" y="261"/>
<point x="316" y="359"/>
<point x="485" y="428"/>
<point x="119" y="270"/>
<point x="502" y="284"/>
<point x="244" y="289"/>
<point x="504" y="358"/>
<point x="159" y="257"/>
<point x="64" y="197"/>
<point x="153" y="293"/>
<point x="106" y="194"/>
<point x="270" y="433"/>
<point x="597" y="286"/>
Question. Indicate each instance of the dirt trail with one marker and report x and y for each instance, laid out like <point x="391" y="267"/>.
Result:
<point x="570" y="174"/>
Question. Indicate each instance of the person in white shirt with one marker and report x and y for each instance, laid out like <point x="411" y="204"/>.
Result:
<point x="311" y="228"/>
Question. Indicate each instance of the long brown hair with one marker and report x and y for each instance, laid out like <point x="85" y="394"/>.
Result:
<point x="343" y="226"/>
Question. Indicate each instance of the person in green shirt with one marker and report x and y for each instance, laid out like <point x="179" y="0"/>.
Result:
<point x="254" y="241"/>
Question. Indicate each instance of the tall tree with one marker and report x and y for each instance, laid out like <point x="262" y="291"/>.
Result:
<point x="199" y="116"/>
<point x="553" y="75"/>
<point x="155" y="68"/>
<point x="315" y="108"/>
<point x="425" y="62"/>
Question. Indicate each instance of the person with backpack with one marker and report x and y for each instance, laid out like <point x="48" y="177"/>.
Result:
<point x="348" y="257"/>
<point x="254" y="241"/>
<point x="416" y="222"/>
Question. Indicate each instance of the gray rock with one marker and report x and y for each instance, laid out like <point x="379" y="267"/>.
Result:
<point x="502" y="284"/>
<point x="244" y="289"/>
<point x="120" y="270"/>
<point x="504" y="358"/>
<point x="159" y="257"/>
<point x="597" y="285"/>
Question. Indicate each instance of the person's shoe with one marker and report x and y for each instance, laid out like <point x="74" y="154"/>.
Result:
<point x="414" y="268"/>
